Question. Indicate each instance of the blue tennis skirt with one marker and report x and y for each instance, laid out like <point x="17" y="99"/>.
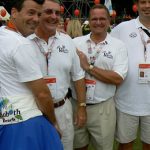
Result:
<point x="34" y="134"/>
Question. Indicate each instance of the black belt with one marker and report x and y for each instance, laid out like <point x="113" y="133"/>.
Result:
<point x="60" y="103"/>
<point x="90" y="104"/>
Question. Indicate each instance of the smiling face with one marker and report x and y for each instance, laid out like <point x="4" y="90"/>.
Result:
<point x="26" y="20"/>
<point x="50" y="16"/>
<point x="99" y="21"/>
<point x="144" y="9"/>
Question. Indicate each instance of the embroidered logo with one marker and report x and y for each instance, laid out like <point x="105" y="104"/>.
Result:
<point x="133" y="35"/>
<point x="62" y="49"/>
<point x="7" y="113"/>
<point x="108" y="54"/>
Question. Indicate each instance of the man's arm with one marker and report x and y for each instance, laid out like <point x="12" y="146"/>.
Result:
<point x="43" y="98"/>
<point x="80" y="88"/>
<point x="106" y="76"/>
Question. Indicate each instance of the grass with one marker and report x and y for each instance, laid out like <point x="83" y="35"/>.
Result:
<point x="137" y="145"/>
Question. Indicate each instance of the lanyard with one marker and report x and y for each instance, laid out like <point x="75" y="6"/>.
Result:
<point x="93" y="58"/>
<point x="49" y="52"/>
<point x="146" y="31"/>
<point x="13" y="27"/>
<point x="144" y="43"/>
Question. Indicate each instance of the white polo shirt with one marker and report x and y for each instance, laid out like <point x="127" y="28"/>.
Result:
<point x="18" y="64"/>
<point x="63" y="62"/>
<point x="132" y="97"/>
<point x="113" y="56"/>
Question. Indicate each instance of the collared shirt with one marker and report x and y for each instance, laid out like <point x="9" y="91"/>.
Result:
<point x="18" y="64"/>
<point x="63" y="64"/>
<point x="131" y="97"/>
<point x="14" y="51"/>
<point x="112" y="56"/>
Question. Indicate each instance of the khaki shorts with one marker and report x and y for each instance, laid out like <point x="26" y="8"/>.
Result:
<point x="100" y="127"/>
<point x="127" y="127"/>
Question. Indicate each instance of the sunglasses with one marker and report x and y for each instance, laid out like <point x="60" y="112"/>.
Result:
<point x="51" y="11"/>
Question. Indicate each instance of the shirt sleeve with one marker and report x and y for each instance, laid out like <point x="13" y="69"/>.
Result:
<point x="76" y="71"/>
<point x="115" y="32"/>
<point x="26" y="63"/>
<point x="121" y="61"/>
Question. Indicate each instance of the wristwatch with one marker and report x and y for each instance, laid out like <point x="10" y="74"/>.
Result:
<point x="82" y="104"/>
<point x="90" y="68"/>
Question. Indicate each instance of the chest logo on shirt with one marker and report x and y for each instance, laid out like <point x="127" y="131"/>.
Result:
<point x="133" y="35"/>
<point x="108" y="54"/>
<point x="62" y="49"/>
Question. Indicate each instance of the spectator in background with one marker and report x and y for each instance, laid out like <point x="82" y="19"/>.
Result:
<point x="74" y="28"/>
<point x="66" y="20"/>
<point x="61" y="26"/>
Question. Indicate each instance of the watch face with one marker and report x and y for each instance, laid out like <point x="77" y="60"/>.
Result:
<point x="91" y="67"/>
<point x="83" y="104"/>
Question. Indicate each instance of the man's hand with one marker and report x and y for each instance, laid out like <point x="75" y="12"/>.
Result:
<point x="80" y="116"/>
<point x="83" y="60"/>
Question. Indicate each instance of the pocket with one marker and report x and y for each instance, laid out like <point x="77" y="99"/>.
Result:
<point x="60" y="117"/>
<point x="109" y="106"/>
<point x="101" y="108"/>
<point x="68" y="113"/>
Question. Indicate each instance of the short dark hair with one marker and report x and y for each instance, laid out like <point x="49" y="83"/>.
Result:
<point x="100" y="6"/>
<point x="18" y="4"/>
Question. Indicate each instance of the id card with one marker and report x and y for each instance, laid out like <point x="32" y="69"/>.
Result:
<point x="51" y="83"/>
<point x="90" y="88"/>
<point x="144" y="73"/>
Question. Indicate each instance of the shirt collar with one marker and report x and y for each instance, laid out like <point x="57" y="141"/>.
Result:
<point x="33" y="36"/>
<point x="139" y="24"/>
<point x="106" y="41"/>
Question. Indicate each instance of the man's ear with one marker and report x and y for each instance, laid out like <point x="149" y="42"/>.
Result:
<point x="14" y="13"/>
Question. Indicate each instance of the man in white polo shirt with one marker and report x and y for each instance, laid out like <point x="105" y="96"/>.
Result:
<point x="133" y="96"/>
<point x="27" y="116"/>
<point x="105" y="61"/>
<point x="60" y="63"/>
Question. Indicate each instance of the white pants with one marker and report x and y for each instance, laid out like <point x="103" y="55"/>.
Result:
<point x="64" y="116"/>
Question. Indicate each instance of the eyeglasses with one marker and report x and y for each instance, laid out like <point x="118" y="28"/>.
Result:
<point x="51" y="11"/>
